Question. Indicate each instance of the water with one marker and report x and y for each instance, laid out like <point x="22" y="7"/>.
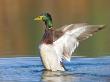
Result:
<point x="30" y="69"/>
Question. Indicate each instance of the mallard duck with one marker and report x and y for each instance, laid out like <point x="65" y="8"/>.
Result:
<point x="59" y="44"/>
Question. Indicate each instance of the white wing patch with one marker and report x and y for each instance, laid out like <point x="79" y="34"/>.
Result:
<point x="66" y="45"/>
<point x="68" y="42"/>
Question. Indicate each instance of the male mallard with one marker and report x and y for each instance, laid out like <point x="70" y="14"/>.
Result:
<point x="59" y="44"/>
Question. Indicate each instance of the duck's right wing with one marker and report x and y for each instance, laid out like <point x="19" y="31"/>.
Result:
<point x="66" y="44"/>
<point x="81" y="30"/>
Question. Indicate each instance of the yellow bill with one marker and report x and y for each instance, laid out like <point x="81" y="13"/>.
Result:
<point x="39" y="18"/>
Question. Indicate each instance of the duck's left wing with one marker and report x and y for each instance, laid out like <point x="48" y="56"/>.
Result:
<point x="66" y="44"/>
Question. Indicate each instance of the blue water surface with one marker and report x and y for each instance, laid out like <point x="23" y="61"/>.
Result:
<point x="30" y="69"/>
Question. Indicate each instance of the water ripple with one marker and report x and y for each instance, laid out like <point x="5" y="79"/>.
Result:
<point x="30" y="69"/>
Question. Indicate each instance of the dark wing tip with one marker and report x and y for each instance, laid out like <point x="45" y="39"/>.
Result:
<point x="91" y="29"/>
<point x="100" y="27"/>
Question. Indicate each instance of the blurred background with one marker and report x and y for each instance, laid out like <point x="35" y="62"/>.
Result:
<point x="20" y="34"/>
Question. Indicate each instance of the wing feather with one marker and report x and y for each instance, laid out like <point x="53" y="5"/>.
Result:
<point x="66" y="44"/>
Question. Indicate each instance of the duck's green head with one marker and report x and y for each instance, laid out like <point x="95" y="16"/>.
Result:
<point x="46" y="17"/>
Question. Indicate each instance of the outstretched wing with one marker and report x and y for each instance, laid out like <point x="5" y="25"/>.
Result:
<point x="66" y="43"/>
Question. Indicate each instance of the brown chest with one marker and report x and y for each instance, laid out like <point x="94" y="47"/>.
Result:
<point x="48" y="36"/>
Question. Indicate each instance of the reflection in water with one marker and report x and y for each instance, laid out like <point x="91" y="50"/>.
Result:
<point x="49" y="76"/>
